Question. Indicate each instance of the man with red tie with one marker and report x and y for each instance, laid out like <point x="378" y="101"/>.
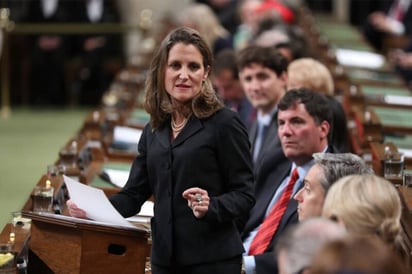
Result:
<point x="304" y="120"/>
<point x="395" y="18"/>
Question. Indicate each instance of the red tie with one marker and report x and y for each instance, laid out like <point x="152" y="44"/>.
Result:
<point x="398" y="12"/>
<point x="271" y="223"/>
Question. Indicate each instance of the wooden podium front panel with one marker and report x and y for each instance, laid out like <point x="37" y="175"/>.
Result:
<point x="57" y="246"/>
<point x="112" y="253"/>
<point x="70" y="245"/>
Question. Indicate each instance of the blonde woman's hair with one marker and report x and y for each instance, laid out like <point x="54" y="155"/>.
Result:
<point x="367" y="205"/>
<point x="356" y="254"/>
<point x="312" y="74"/>
<point x="204" y="20"/>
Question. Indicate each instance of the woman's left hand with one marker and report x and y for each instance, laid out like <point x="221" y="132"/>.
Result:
<point x="197" y="200"/>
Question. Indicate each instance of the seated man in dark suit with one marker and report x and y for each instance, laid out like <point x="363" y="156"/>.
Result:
<point x="263" y="75"/>
<point x="304" y="120"/>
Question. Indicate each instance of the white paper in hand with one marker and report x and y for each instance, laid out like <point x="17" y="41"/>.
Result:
<point x="95" y="203"/>
<point x="145" y="213"/>
<point x="117" y="177"/>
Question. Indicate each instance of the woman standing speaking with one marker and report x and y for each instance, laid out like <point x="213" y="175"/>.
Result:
<point x="194" y="158"/>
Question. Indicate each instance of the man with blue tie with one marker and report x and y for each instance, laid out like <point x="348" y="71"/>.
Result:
<point x="304" y="119"/>
<point x="263" y="75"/>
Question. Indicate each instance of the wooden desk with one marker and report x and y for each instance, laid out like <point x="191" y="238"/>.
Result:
<point x="80" y="246"/>
<point x="360" y="96"/>
<point x="338" y="32"/>
<point x="378" y="155"/>
<point x="56" y="183"/>
<point x="394" y="120"/>
<point x="378" y="158"/>
<point x="403" y="143"/>
<point x="21" y="242"/>
<point x="394" y="41"/>
<point x="368" y="125"/>
<point x="364" y="76"/>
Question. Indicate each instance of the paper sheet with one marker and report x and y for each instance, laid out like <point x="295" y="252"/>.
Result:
<point x="147" y="209"/>
<point x="406" y="152"/>
<point x="145" y="214"/>
<point x="356" y="58"/>
<point x="126" y="134"/>
<point x="398" y="100"/>
<point x="117" y="177"/>
<point x="94" y="202"/>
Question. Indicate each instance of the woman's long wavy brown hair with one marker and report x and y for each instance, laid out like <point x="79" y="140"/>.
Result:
<point x="158" y="102"/>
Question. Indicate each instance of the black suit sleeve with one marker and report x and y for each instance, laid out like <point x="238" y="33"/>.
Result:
<point x="129" y="200"/>
<point x="239" y="196"/>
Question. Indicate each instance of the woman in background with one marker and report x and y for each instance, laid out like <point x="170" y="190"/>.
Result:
<point x="355" y="254"/>
<point x="310" y="73"/>
<point x="367" y="205"/>
<point x="202" y="18"/>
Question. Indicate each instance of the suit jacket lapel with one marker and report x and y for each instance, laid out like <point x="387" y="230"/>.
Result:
<point x="271" y="139"/>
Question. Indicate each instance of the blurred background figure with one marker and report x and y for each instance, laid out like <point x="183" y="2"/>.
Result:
<point x="278" y="39"/>
<point x="275" y="31"/>
<point x="393" y="17"/>
<point x="276" y="9"/>
<point x="296" y="247"/>
<point x="226" y="12"/>
<point x="312" y="74"/>
<point x="249" y="21"/>
<point x="356" y="254"/>
<point x="368" y="205"/>
<point x="263" y="75"/>
<point x="48" y="53"/>
<point x="202" y="18"/>
<point x="225" y="78"/>
<point x="95" y="50"/>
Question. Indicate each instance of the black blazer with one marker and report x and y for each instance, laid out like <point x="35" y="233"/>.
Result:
<point x="274" y="170"/>
<point x="213" y="154"/>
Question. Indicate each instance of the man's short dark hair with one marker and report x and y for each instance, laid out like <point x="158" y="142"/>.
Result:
<point x="268" y="57"/>
<point x="316" y="104"/>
